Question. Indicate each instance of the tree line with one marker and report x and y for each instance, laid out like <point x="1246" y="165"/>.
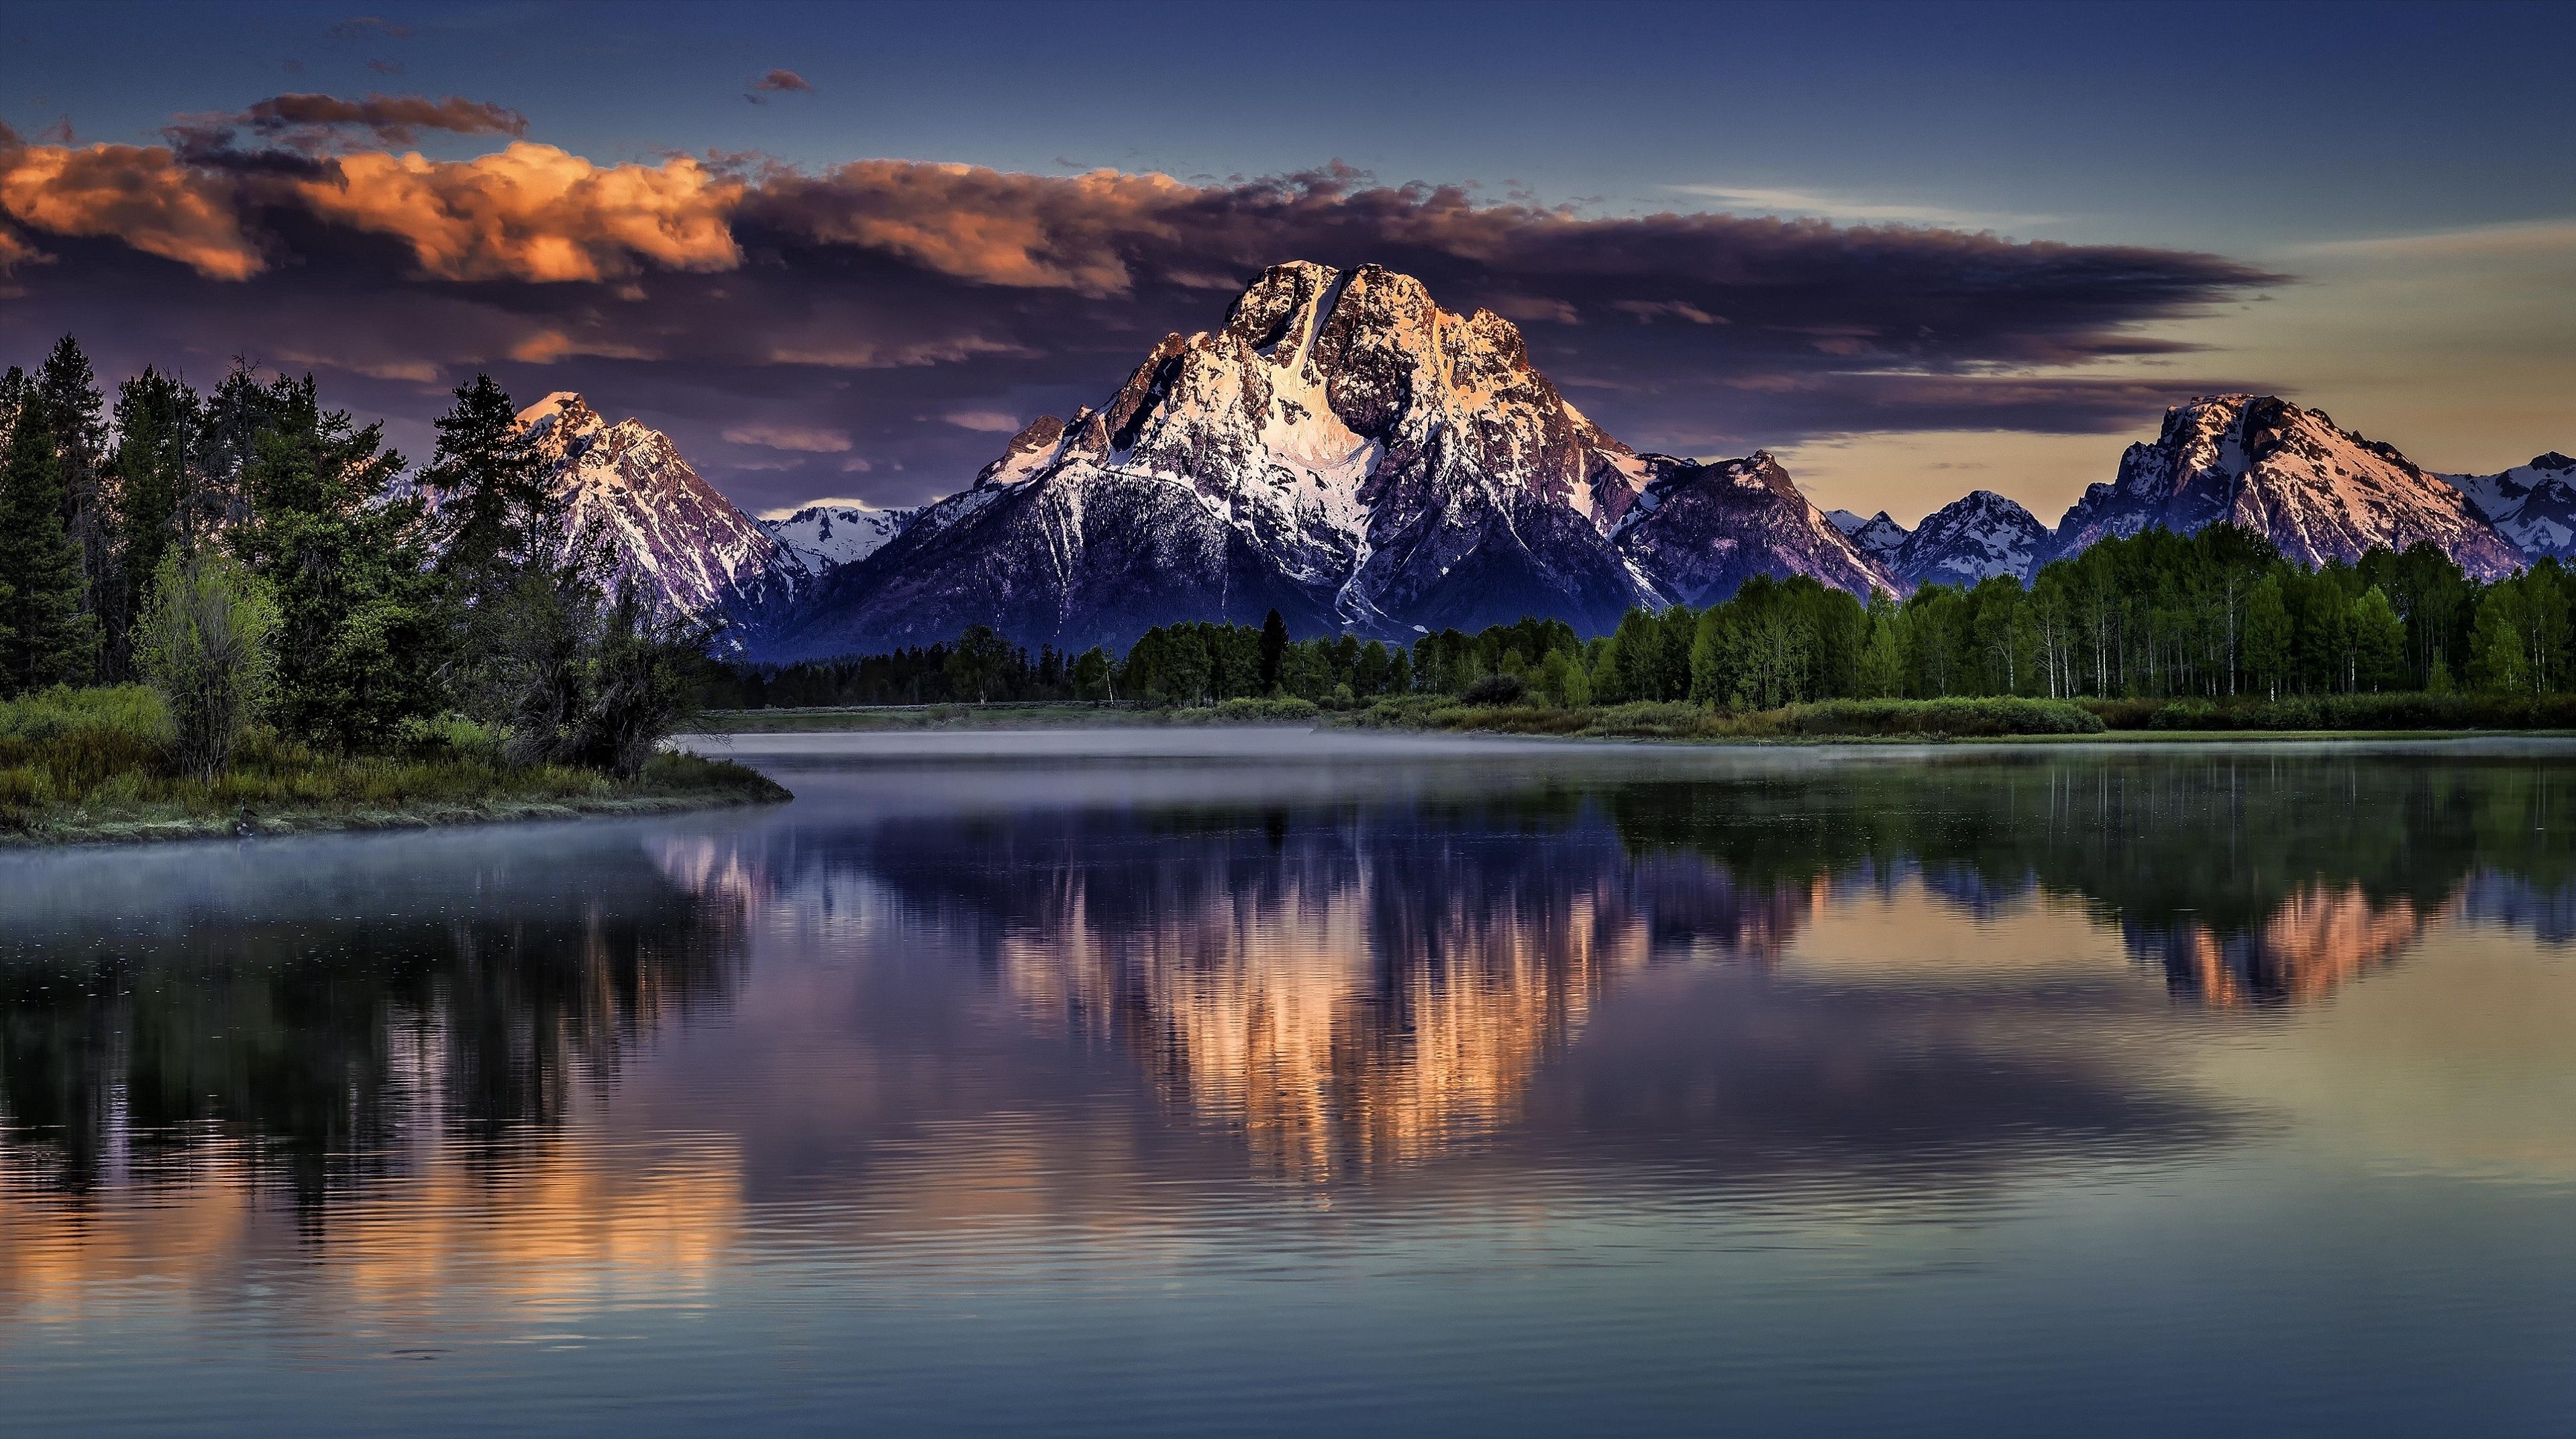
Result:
<point x="257" y="557"/>
<point x="2215" y="615"/>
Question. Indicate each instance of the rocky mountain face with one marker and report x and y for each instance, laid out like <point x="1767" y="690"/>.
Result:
<point x="1968" y="540"/>
<point x="2534" y="505"/>
<point x="664" y="525"/>
<point x="820" y="538"/>
<point x="2320" y="492"/>
<point x="1698" y="532"/>
<point x="1877" y="536"/>
<point x="1345" y="451"/>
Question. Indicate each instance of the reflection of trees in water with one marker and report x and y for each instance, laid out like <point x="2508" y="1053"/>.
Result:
<point x="311" y="1048"/>
<point x="2249" y="877"/>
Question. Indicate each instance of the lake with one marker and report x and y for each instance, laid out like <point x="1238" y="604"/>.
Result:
<point x="1171" y="1081"/>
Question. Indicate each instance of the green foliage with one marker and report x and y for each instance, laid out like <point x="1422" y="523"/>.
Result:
<point x="205" y="642"/>
<point x="360" y="602"/>
<point x="979" y="663"/>
<point x="45" y="638"/>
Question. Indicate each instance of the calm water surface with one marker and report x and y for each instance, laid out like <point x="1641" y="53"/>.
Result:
<point x="1167" y="1082"/>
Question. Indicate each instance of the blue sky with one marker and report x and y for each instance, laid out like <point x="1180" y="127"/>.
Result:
<point x="2410" y="169"/>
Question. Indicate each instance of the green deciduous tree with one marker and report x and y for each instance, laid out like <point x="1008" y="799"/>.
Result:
<point x="206" y="641"/>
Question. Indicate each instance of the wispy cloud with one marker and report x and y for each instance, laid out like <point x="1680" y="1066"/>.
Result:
<point x="1757" y="200"/>
<point x="2512" y="240"/>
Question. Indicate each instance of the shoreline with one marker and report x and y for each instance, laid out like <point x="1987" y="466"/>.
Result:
<point x="85" y="825"/>
<point x="1041" y="717"/>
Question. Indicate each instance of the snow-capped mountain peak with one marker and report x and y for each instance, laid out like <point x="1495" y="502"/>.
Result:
<point x="1342" y="449"/>
<point x="2318" y="491"/>
<point x="1969" y="539"/>
<point x="665" y="525"/>
<point x="1878" y="536"/>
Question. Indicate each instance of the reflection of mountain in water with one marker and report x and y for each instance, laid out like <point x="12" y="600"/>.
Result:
<point x="316" y="1014"/>
<point x="2247" y="876"/>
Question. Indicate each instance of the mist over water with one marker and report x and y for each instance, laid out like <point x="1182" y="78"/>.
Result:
<point x="1167" y="1080"/>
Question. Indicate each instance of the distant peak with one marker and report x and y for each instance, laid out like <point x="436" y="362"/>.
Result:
<point x="568" y="405"/>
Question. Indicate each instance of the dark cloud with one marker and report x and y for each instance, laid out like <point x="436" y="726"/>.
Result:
<point x="392" y="119"/>
<point x="715" y="295"/>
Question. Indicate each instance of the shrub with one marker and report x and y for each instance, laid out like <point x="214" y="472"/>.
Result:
<point x="1496" y="689"/>
<point x="205" y="643"/>
<point x="1949" y="718"/>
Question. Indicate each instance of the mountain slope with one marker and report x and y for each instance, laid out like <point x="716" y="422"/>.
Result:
<point x="665" y="526"/>
<point x="1701" y="531"/>
<point x="1970" y="539"/>
<point x="820" y="538"/>
<point x="2320" y="492"/>
<point x="2534" y="505"/>
<point x="1877" y="536"/>
<point x="1342" y="449"/>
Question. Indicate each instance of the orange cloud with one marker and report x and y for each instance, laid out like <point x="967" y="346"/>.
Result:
<point x="141" y="195"/>
<point x="985" y="225"/>
<point x="533" y="212"/>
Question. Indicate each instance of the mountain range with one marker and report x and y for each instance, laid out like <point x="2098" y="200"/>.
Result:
<point x="1347" y="452"/>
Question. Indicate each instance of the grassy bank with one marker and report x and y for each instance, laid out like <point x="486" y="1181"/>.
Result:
<point x="1044" y="715"/>
<point x="1828" y="719"/>
<point x="92" y="765"/>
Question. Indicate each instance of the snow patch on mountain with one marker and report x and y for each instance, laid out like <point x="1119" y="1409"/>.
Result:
<point x="1878" y="536"/>
<point x="2318" y="491"/>
<point x="664" y="525"/>
<point x="1970" y="539"/>
<point x="818" y="538"/>
<point x="2534" y="504"/>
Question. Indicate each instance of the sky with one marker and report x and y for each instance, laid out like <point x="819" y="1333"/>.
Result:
<point x="842" y="251"/>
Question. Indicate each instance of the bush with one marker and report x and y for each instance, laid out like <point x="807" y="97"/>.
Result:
<point x="1496" y="689"/>
<point x="205" y="642"/>
<point x="1959" y="718"/>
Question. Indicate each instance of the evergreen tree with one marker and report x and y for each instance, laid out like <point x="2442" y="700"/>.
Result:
<point x="493" y="499"/>
<point x="48" y="640"/>
<point x="1274" y="651"/>
<point x="157" y="420"/>
<point x="358" y="602"/>
<point x="2497" y="662"/>
<point x="65" y="394"/>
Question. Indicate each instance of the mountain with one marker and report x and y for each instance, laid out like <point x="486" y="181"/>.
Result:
<point x="819" y="538"/>
<point x="2320" y="492"/>
<point x="1877" y="537"/>
<point x="2534" y="505"/>
<point x="1343" y="450"/>
<point x="1971" y="539"/>
<point x="1700" y="531"/>
<point x="664" y="525"/>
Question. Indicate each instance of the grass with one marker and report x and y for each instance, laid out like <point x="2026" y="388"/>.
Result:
<point x="2373" y="713"/>
<point x="92" y="765"/>
<point x="1032" y="715"/>
<point x="1829" y="719"/>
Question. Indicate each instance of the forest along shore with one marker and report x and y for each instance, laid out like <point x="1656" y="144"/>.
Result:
<point x="1990" y="717"/>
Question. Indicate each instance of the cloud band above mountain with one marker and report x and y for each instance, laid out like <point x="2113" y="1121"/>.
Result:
<point x="744" y="293"/>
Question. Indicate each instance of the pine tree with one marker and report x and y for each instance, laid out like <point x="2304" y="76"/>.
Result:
<point x="1274" y="650"/>
<point x="360" y="624"/>
<point x="493" y="497"/>
<point x="47" y="637"/>
<point x="157" y="419"/>
<point x="65" y="392"/>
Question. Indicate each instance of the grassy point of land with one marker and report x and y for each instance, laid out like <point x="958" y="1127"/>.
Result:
<point x="90" y="766"/>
